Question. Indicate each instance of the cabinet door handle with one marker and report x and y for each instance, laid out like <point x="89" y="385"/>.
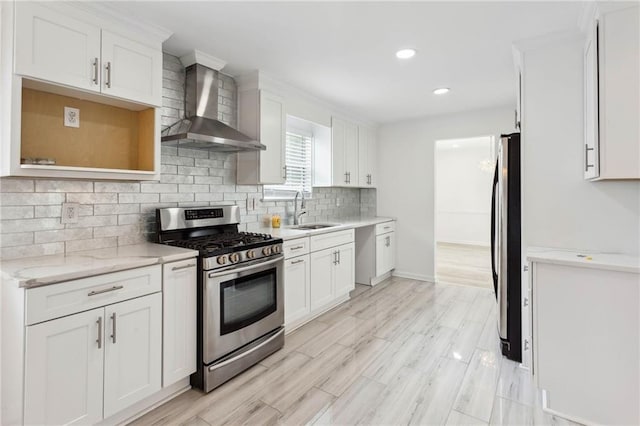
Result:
<point x="108" y="68"/>
<point x="113" y="327"/>
<point x="339" y="257"/>
<point x="526" y="302"/>
<point x="106" y="290"/>
<point x="99" y="341"/>
<point x="345" y="177"/>
<point x="297" y="261"/>
<point x="285" y="172"/>
<point x="96" y="69"/>
<point x="177" y="268"/>
<point x="586" y="157"/>
<point x="335" y="257"/>
<point x="349" y="174"/>
<point x="526" y="344"/>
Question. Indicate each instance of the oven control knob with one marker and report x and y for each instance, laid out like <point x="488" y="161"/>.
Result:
<point x="234" y="258"/>
<point x="266" y="251"/>
<point x="251" y="254"/>
<point x="276" y="249"/>
<point x="221" y="260"/>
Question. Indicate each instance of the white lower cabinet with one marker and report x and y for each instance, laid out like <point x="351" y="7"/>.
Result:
<point x="133" y="352"/>
<point x="344" y="270"/>
<point x="322" y="273"/>
<point x="179" y="320"/>
<point x="332" y="274"/>
<point x="319" y="273"/>
<point x="64" y="370"/>
<point x="385" y="253"/>
<point x="375" y="252"/>
<point x="297" y="289"/>
<point x="586" y="338"/>
<point x="88" y="366"/>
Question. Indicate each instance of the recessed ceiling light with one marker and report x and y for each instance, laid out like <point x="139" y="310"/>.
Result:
<point x="405" y="53"/>
<point x="441" y="91"/>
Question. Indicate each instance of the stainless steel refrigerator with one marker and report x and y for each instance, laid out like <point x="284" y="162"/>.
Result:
<point x="506" y="246"/>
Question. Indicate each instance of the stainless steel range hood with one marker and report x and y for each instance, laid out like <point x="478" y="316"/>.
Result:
<point x="201" y="128"/>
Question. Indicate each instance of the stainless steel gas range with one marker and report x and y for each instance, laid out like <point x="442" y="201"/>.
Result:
<point x="240" y="289"/>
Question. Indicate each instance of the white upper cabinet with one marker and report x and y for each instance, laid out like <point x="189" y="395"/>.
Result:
<point x="131" y="70"/>
<point x="344" y="161"/>
<point x="612" y="95"/>
<point x="591" y="138"/>
<point x="336" y="160"/>
<point x="367" y="157"/>
<point x="53" y="46"/>
<point x="262" y="115"/>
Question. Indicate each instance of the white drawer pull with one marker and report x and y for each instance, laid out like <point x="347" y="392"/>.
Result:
<point x="297" y="261"/>
<point x="177" y="268"/>
<point x="387" y="227"/>
<point x="297" y="247"/>
<point x="106" y="290"/>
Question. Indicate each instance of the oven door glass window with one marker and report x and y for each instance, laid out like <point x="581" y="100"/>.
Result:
<point x="246" y="300"/>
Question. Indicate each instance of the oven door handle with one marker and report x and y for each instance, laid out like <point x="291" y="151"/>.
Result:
<point x="245" y="268"/>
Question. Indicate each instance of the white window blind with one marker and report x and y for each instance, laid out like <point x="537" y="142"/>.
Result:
<point x="298" y="163"/>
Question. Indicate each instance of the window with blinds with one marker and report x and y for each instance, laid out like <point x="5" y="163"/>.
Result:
<point x="298" y="163"/>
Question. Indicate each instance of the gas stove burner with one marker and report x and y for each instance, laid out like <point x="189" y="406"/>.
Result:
<point x="211" y="243"/>
<point x="213" y="232"/>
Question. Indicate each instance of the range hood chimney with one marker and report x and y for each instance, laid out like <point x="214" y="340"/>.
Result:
<point x="201" y="128"/>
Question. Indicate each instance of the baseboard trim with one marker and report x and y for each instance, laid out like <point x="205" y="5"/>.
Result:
<point x="412" y="276"/>
<point x="465" y="243"/>
<point x="378" y="280"/>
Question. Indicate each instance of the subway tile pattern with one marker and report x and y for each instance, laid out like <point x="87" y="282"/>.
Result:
<point x="122" y="213"/>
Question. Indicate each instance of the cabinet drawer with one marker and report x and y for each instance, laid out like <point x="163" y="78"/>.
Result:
<point x="297" y="247"/>
<point x="382" y="228"/>
<point x="331" y="239"/>
<point x="57" y="300"/>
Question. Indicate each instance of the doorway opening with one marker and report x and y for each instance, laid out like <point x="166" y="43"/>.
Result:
<point x="463" y="175"/>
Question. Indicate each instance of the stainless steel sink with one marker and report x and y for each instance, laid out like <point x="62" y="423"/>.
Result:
<point x="312" y="226"/>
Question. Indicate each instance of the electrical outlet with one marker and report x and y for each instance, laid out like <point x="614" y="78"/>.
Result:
<point x="70" y="212"/>
<point x="337" y="202"/>
<point x="71" y="117"/>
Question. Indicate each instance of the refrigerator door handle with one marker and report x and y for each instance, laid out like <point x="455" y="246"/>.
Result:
<point x="502" y="240"/>
<point x="494" y="199"/>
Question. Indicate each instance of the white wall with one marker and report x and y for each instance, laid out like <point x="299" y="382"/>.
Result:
<point x="560" y="208"/>
<point x="406" y="177"/>
<point x="464" y="173"/>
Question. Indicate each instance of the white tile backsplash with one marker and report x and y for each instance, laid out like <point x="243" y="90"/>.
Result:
<point x="122" y="213"/>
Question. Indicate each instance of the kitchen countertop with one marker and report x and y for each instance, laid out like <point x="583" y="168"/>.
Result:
<point x="43" y="270"/>
<point x="288" y="233"/>
<point x="594" y="260"/>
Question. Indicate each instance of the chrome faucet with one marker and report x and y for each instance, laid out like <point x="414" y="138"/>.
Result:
<point x="296" y="215"/>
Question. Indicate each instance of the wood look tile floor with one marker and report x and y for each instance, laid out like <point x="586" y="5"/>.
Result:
<point x="463" y="264"/>
<point x="403" y="352"/>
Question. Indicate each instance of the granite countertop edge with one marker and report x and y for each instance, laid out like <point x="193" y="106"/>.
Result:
<point x="585" y="259"/>
<point x="32" y="272"/>
<point x="287" y="232"/>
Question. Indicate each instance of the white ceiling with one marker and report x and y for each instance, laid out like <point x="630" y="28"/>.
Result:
<point x="345" y="52"/>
